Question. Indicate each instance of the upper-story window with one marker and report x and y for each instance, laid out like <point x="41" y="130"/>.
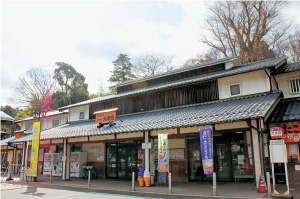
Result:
<point x="235" y="89"/>
<point x="28" y="127"/>
<point x="295" y="85"/>
<point x="55" y="123"/>
<point x="81" y="115"/>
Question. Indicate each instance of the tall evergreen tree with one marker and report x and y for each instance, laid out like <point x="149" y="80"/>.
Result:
<point x="122" y="69"/>
<point x="72" y="84"/>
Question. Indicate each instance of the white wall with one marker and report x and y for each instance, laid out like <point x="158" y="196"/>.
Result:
<point x="250" y="83"/>
<point x="283" y="83"/>
<point x="46" y="123"/>
<point x="74" y="113"/>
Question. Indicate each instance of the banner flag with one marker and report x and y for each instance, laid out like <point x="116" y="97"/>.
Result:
<point x="163" y="156"/>
<point x="35" y="150"/>
<point x="207" y="155"/>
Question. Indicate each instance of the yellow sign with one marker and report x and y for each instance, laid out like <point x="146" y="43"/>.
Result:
<point x="35" y="149"/>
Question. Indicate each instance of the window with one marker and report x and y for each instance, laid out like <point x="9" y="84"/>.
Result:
<point x="235" y="89"/>
<point x="81" y="115"/>
<point x="55" y="123"/>
<point x="28" y="127"/>
<point x="295" y="85"/>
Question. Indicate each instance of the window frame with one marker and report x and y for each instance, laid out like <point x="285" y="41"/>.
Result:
<point x="81" y="115"/>
<point x="240" y="89"/>
<point x="297" y="83"/>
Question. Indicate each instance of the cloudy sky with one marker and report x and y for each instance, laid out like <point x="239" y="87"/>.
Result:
<point x="89" y="35"/>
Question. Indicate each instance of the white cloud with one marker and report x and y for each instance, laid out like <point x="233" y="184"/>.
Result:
<point x="39" y="33"/>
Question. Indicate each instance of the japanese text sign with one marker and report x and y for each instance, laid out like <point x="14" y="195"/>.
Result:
<point x="163" y="156"/>
<point x="206" y="145"/>
<point x="35" y="149"/>
<point x="276" y="132"/>
<point x="106" y="117"/>
<point x="291" y="131"/>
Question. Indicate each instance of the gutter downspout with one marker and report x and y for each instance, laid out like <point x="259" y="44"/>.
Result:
<point x="262" y="143"/>
<point x="271" y="87"/>
<point x="276" y="82"/>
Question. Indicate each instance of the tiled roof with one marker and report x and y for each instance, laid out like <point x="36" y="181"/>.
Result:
<point x="287" y="110"/>
<point x="221" y="111"/>
<point x="6" y="117"/>
<point x="180" y="70"/>
<point x="48" y="114"/>
<point x="234" y="71"/>
<point x="6" y="141"/>
<point x="287" y="68"/>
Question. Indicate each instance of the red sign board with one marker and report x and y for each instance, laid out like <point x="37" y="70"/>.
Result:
<point x="276" y="132"/>
<point x="19" y="134"/>
<point x="106" y="117"/>
<point x="291" y="131"/>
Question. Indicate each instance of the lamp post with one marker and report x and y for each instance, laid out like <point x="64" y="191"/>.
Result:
<point x="38" y="113"/>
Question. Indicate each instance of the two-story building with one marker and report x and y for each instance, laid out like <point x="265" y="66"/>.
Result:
<point x="236" y="100"/>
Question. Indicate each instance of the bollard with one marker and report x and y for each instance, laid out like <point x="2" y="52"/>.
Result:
<point x="89" y="179"/>
<point x="133" y="177"/>
<point x="170" y="183"/>
<point x="269" y="185"/>
<point x="214" y="184"/>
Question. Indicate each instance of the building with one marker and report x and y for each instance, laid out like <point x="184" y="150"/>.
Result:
<point x="7" y="125"/>
<point x="236" y="100"/>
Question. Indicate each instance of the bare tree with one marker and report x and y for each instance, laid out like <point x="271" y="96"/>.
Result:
<point x="248" y="29"/>
<point x="150" y="64"/>
<point x="290" y="48"/>
<point x="210" y="55"/>
<point x="36" y="87"/>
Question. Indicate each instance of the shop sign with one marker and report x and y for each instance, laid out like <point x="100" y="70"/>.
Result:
<point x="35" y="150"/>
<point x="146" y="145"/>
<point x="276" y="132"/>
<point x="19" y="134"/>
<point x="206" y="145"/>
<point x="297" y="167"/>
<point x="291" y="131"/>
<point x="235" y="148"/>
<point x="106" y="116"/>
<point x="163" y="156"/>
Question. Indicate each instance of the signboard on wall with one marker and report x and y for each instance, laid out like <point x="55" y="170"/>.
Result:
<point x="106" y="115"/>
<point x="291" y="131"/>
<point x="276" y="132"/>
<point x="95" y="154"/>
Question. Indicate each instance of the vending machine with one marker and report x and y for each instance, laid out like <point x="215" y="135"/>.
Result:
<point x="76" y="161"/>
<point x="57" y="164"/>
<point x="47" y="163"/>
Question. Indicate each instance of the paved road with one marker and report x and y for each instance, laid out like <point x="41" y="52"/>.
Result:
<point x="10" y="191"/>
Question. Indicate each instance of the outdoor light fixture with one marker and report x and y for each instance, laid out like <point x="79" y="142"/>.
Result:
<point x="38" y="113"/>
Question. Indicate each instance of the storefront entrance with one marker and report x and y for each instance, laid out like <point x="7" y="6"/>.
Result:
<point x="123" y="158"/>
<point x="229" y="157"/>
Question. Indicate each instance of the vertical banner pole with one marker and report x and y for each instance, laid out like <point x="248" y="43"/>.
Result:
<point x="133" y="177"/>
<point x="269" y="184"/>
<point x="89" y="180"/>
<point x="214" y="184"/>
<point x="170" y="182"/>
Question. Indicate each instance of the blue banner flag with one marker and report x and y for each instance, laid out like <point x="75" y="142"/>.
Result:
<point x="207" y="155"/>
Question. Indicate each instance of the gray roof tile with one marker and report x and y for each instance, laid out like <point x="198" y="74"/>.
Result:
<point x="287" y="110"/>
<point x="233" y="71"/>
<point x="221" y="111"/>
<point x="287" y="68"/>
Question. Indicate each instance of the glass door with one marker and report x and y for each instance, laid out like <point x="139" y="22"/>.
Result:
<point x="194" y="160"/>
<point x="222" y="161"/>
<point x="111" y="169"/>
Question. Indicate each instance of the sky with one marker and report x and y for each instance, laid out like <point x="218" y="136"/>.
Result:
<point x="89" y="35"/>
